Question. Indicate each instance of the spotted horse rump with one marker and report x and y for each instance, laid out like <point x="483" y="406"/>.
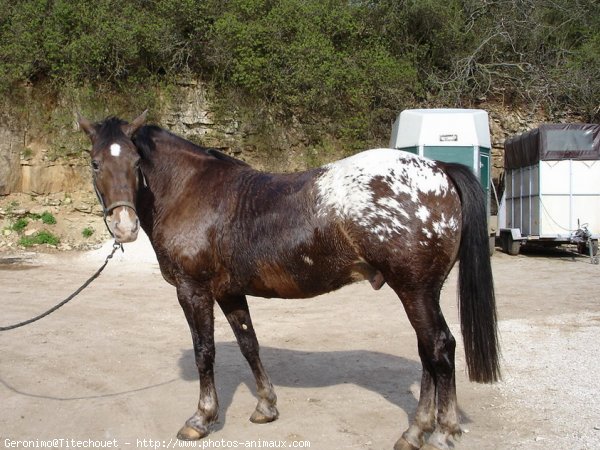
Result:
<point x="379" y="189"/>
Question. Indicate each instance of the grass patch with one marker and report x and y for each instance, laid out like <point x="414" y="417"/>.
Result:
<point x="48" y="218"/>
<point x="19" y="225"/>
<point x="87" y="232"/>
<point x="41" y="237"/>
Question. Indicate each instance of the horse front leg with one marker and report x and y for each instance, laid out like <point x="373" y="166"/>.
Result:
<point x="236" y="310"/>
<point x="198" y="308"/>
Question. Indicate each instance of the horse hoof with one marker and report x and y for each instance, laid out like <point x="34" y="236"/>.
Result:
<point x="264" y="416"/>
<point x="403" y="444"/>
<point x="188" y="433"/>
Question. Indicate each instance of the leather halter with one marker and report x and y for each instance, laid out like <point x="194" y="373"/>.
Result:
<point x="106" y="210"/>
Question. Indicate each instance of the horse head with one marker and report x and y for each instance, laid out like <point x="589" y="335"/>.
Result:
<point x="116" y="173"/>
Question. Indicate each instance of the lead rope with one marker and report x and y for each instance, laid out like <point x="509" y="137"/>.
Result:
<point x="116" y="246"/>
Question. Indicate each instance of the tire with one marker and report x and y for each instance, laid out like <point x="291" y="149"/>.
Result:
<point x="594" y="248"/>
<point x="504" y="242"/>
<point x="584" y="249"/>
<point x="509" y="245"/>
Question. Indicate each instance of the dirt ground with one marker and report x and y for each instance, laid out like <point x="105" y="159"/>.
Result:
<point x="116" y="365"/>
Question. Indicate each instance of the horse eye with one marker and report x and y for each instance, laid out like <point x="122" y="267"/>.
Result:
<point x="95" y="165"/>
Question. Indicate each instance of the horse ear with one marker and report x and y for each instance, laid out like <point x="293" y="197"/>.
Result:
<point x="135" y="125"/>
<point x="87" y="126"/>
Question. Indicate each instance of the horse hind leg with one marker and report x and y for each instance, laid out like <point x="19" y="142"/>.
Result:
<point x="238" y="315"/>
<point x="424" y="421"/>
<point x="437" y="409"/>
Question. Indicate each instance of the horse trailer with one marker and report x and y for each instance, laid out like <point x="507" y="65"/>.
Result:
<point x="552" y="188"/>
<point x="449" y="135"/>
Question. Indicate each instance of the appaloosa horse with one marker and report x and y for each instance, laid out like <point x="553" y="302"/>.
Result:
<point x="222" y="230"/>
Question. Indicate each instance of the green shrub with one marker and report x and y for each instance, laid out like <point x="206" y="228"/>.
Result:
<point x="48" y="218"/>
<point x="328" y="63"/>
<point x="87" y="232"/>
<point x="19" y="225"/>
<point x="41" y="237"/>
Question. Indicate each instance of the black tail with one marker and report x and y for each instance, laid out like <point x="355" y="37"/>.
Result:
<point x="477" y="303"/>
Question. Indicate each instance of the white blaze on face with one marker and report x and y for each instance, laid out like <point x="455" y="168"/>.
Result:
<point x="346" y="187"/>
<point x="125" y="219"/>
<point x="124" y="224"/>
<point x="115" y="150"/>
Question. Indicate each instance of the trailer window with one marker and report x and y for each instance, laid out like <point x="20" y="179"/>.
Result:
<point x="569" y="140"/>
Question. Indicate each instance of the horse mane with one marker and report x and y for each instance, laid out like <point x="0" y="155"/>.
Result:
<point x="144" y="141"/>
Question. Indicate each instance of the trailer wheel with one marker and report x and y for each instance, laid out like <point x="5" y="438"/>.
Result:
<point x="584" y="249"/>
<point x="509" y="245"/>
<point x="594" y="247"/>
<point x="513" y="246"/>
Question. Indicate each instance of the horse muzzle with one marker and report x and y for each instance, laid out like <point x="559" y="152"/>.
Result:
<point x="123" y="223"/>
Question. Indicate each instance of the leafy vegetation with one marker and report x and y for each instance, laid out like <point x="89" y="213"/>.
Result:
<point x="39" y="238"/>
<point x="19" y="225"/>
<point x="87" y="232"/>
<point x="347" y="66"/>
<point x="48" y="218"/>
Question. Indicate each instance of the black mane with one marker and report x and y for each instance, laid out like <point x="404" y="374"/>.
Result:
<point x="144" y="141"/>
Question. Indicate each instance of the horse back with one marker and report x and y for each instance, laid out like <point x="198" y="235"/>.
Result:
<point x="377" y="213"/>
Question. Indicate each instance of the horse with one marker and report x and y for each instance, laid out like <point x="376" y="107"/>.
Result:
<point x="222" y="230"/>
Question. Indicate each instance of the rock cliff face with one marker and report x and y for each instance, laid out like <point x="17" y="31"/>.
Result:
<point x="11" y="148"/>
<point x="193" y="116"/>
<point x="26" y="167"/>
<point x="506" y="122"/>
<point x="40" y="182"/>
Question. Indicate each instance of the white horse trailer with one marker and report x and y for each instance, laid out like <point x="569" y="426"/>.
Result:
<point x="552" y="188"/>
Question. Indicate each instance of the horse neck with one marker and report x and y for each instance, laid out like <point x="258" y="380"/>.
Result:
<point x="165" y="172"/>
<point x="170" y="169"/>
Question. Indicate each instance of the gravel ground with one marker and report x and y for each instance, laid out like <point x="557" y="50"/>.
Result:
<point x="117" y="362"/>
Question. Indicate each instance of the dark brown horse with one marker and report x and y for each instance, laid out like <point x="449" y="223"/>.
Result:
<point x="222" y="230"/>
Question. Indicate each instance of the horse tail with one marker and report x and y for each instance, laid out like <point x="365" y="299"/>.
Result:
<point x="477" y="303"/>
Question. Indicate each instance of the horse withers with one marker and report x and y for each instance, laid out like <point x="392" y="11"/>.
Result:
<point x="222" y="230"/>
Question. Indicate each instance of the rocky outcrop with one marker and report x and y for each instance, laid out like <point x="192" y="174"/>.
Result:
<point x="11" y="147"/>
<point x="193" y="116"/>
<point x="506" y="122"/>
<point x="26" y="165"/>
<point x="52" y="177"/>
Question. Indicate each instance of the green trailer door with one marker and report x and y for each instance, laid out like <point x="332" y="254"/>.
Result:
<point x="466" y="156"/>
<point x="461" y="155"/>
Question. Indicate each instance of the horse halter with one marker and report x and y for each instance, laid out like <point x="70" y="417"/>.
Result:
<point x="106" y="210"/>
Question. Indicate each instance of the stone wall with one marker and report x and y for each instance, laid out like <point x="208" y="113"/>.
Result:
<point x="192" y="116"/>
<point x="25" y="166"/>
<point x="11" y="147"/>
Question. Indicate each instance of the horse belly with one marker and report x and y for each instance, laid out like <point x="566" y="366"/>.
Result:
<point x="307" y="278"/>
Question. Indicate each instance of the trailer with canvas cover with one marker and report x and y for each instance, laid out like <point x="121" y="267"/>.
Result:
<point x="449" y="135"/>
<point x="552" y="188"/>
